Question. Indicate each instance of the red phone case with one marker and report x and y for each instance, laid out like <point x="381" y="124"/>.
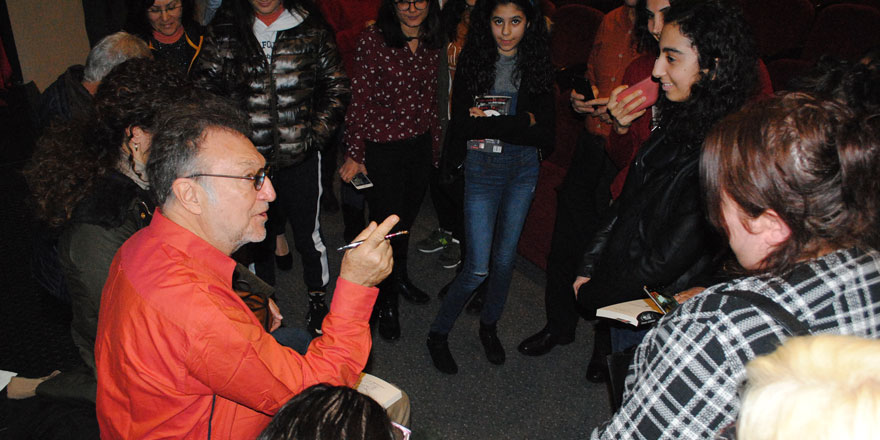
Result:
<point x="650" y="90"/>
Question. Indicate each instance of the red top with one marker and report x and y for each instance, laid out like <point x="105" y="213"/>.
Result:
<point x="613" y="50"/>
<point x="348" y="18"/>
<point x="393" y="94"/>
<point x="168" y="39"/>
<point x="173" y="336"/>
<point x="270" y="18"/>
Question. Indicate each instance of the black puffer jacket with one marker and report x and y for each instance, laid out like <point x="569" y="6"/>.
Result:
<point x="656" y="234"/>
<point x="295" y="103"/>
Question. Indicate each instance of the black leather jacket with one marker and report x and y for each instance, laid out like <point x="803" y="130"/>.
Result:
<point x="296" y="102"/>
<point x="656" y="233"/>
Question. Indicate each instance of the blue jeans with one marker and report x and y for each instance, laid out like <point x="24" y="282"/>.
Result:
<point x="295" y="338"/>
<point x="498" y="190"/>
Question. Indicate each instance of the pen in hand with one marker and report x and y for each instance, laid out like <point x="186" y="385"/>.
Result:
<point x="355" y="244"/>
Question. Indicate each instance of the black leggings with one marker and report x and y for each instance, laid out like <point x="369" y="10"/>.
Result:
<point x="400" y="172"/>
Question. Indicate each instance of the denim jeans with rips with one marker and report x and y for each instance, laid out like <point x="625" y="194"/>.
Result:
<point x="499" y="188"/>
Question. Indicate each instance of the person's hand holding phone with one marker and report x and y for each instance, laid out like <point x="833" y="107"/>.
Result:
<point x="593" y="107"/>
<point x="349" y="168"/>
<point x="622" y="111"/>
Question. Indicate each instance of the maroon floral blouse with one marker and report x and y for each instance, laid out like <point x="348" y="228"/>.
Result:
<point x="394" y="94"/>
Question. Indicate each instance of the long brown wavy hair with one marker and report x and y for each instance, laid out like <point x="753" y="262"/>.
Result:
<point x="71" y="158"/>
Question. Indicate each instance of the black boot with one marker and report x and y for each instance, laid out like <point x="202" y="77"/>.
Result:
<point x="387" y="315"/>
<point x="438" y="346"/>
<point x="542" y="342"/>
<point x="597" y="370"/>
<point x="409" y="291"/>
<point x="491" y="343"/>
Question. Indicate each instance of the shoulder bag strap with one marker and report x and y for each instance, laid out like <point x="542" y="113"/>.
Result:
<point x="776" y="311"/>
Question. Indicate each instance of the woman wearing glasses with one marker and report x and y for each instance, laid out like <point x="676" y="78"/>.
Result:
<point x="278" y="60"/>
<point x="170" y="30"/>
<point x="392" y="132"/>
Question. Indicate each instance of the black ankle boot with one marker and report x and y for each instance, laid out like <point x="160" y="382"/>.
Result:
<point x="388" y="319"/>
<point x="410" y="291"/>
<point x="438" y="346"/>
<point x="491" y="343"/>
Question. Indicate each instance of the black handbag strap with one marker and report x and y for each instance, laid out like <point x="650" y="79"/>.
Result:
<point x="776" y="311"/>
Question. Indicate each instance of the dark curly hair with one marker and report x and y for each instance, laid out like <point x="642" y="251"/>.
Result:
<point x="430" y="32"/>
<point x="138" y="23"/>
<point x="727" y="54"/>
<point x="70" y="158"/>
<point x="324" y="412"/>
<point x="476" y="66"/>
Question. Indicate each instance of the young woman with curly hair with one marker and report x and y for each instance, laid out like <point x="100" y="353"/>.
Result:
<point x="392" y="131"/>
<point x="90" y="185"/>
<point x="506" y="54"/>
<point x="656" y="234"/>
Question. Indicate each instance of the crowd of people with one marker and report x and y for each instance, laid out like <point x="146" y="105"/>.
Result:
<point x="171" y="164"/>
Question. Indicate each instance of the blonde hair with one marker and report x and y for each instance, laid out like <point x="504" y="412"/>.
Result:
<point x="813" y="387"/>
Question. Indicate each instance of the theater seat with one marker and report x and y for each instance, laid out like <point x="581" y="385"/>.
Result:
<point x="844" y="31"/>
<point x="776" y="37"/>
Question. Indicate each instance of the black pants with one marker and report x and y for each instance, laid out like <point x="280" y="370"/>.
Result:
<point x="400" y="172"/>
<point x="448" y="201"/>
<point x="582" y="199"/>
<point x="298" y="193"/>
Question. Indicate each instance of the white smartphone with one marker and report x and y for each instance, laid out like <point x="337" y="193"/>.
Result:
<point x="361" y="181"/>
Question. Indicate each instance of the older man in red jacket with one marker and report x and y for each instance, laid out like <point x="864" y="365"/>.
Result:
<point x="178" y="354"/>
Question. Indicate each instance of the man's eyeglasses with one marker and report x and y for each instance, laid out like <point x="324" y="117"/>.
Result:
<point x="169" y="9"/>
<point x="403" y="5"/>
<point x="258" y="178"/>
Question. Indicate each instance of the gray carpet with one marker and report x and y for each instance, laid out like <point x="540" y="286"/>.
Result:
<point x="526" y="398"/>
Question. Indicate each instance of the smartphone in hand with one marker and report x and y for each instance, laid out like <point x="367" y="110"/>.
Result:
<point x="361" y="181"/>
<point x="650" y="90"/>
<point x="583" y="87"/>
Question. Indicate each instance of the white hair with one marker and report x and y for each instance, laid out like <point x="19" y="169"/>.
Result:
<point x="111" y="51"/>
<point x="813" y="387"/>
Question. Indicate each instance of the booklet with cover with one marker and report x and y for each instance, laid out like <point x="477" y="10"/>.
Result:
<point x="639" y="311"/>
<point x="636" y="312"/>
<point x="493" y="105"/>
<point x="381" y="391"/>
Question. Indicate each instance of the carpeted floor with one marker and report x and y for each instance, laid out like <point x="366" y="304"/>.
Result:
<point x="526" y="398"/>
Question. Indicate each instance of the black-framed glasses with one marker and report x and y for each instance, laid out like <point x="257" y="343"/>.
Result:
<point x="258" y="178"/>
<point x="403" y="5"/>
